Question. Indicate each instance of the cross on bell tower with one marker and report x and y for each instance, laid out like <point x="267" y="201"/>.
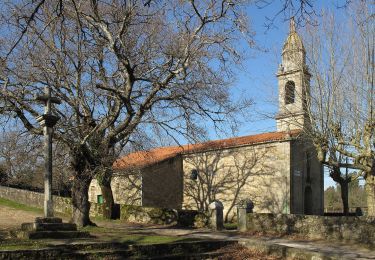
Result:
<point x="294" y="83"/>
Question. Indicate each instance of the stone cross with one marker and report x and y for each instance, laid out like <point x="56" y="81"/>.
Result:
<point x="47" y="121"/>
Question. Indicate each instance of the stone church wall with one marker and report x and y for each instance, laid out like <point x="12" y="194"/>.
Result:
<point x="260" y="172"/>
<point x="162" y="184"/>
<point x="126" y="188"/>
<point x="159" y="185"/>
<point x="307" y="180"/>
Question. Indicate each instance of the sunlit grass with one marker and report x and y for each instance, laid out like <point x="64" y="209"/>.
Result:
<point x="230" y="226"/>
<point x="152" y="239"/>
<point x="20" y="206"/>
<point x="16" y="205"/>
<point x="21" y="245"/>
<point x="112" y="234"/>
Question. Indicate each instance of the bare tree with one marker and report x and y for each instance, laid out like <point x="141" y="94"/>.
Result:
<point x="341" y="109"/>
<point x="22" y="162"/>
<point x="119" y="67"/>
<point x="20" y="158"/>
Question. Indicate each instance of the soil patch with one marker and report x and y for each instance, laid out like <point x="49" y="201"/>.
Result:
<point x="239" y="252"/>
<point x="13" y="218"/>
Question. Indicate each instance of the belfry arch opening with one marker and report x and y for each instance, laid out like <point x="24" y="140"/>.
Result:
<point x="290" y="95"/>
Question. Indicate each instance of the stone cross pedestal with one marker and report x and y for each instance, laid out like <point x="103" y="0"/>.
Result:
<point x="48" y="121"/>
<point x="243" y="208"/>
<point x="216" y="215"/>
<point x="49" y="226"/>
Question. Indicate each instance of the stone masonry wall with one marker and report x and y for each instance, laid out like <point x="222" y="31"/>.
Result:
<point x="348" y="229"/>
<point x="35" y="199"/>
<point x="129" y="213"/>
<point x="260" y="172"/>
<point x="126" y="188"/>
<point x="307" y="181"/>
<point x="162" y="184"/>
<point x="162" y="216"/>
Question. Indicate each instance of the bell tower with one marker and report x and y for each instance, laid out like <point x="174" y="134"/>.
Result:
<point x="294" y="84"/>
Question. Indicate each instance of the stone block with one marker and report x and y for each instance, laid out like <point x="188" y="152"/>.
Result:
<point x="48" y="220"/>
<point x="148" y="215"/>
<point x="216" y="215"/>
<point x="48" y="227"/>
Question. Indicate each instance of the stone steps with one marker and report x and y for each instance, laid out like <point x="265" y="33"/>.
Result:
<point x="48" y="227"/>
<point x="48" y="220"/>
<point x="107" y="250"/>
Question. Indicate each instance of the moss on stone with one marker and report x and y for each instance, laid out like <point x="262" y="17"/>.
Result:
<point x="147" y="215"/>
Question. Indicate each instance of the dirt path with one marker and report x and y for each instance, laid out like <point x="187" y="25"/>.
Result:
<point x="13" y="218"/>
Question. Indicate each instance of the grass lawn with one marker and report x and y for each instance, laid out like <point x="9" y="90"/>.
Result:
<point x="22" y="245"/>
<point x="16" y="205"/>
<point x="20" y="206"/>
<point x="152" y="239"/>
<point x="104" y="234"/>
<point x="111" y="234"/>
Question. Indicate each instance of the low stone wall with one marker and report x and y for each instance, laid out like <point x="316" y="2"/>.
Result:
<point x="36" y="199"/>
<point x="148" y="215"/>
<point x="137" y="214"/>
<point x="348" y="229"/>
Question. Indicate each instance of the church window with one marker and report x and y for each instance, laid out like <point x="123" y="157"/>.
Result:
<point x="289" y="92"/>
<point x="194" y="174"/>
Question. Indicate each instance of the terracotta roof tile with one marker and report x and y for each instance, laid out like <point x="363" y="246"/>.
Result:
<point x="142" y="159"/>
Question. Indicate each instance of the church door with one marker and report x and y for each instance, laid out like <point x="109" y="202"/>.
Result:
<point x="308" y="201"/>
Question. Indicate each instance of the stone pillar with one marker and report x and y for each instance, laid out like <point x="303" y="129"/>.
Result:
<point x="244" y="207"/>
<point x="216" y="215"/>
<point x="48" y="200"/>
<point x="48" y="121"/>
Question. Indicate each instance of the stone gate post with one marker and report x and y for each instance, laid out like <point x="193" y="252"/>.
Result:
<point x="216" y="215"/>
<point x="244" y="206"/>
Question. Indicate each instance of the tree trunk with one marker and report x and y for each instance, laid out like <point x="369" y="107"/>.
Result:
<point x="370" y="195"/>
<point x="80" y="200"/>
<point x="345" y="196"/>
<point x="108" y="202"/>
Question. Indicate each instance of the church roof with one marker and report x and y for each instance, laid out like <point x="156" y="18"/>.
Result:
<point x="142" y="159"/>
<point x="294" y="41"/>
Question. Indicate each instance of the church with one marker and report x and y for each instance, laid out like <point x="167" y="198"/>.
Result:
<point x="278" y="171"/>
